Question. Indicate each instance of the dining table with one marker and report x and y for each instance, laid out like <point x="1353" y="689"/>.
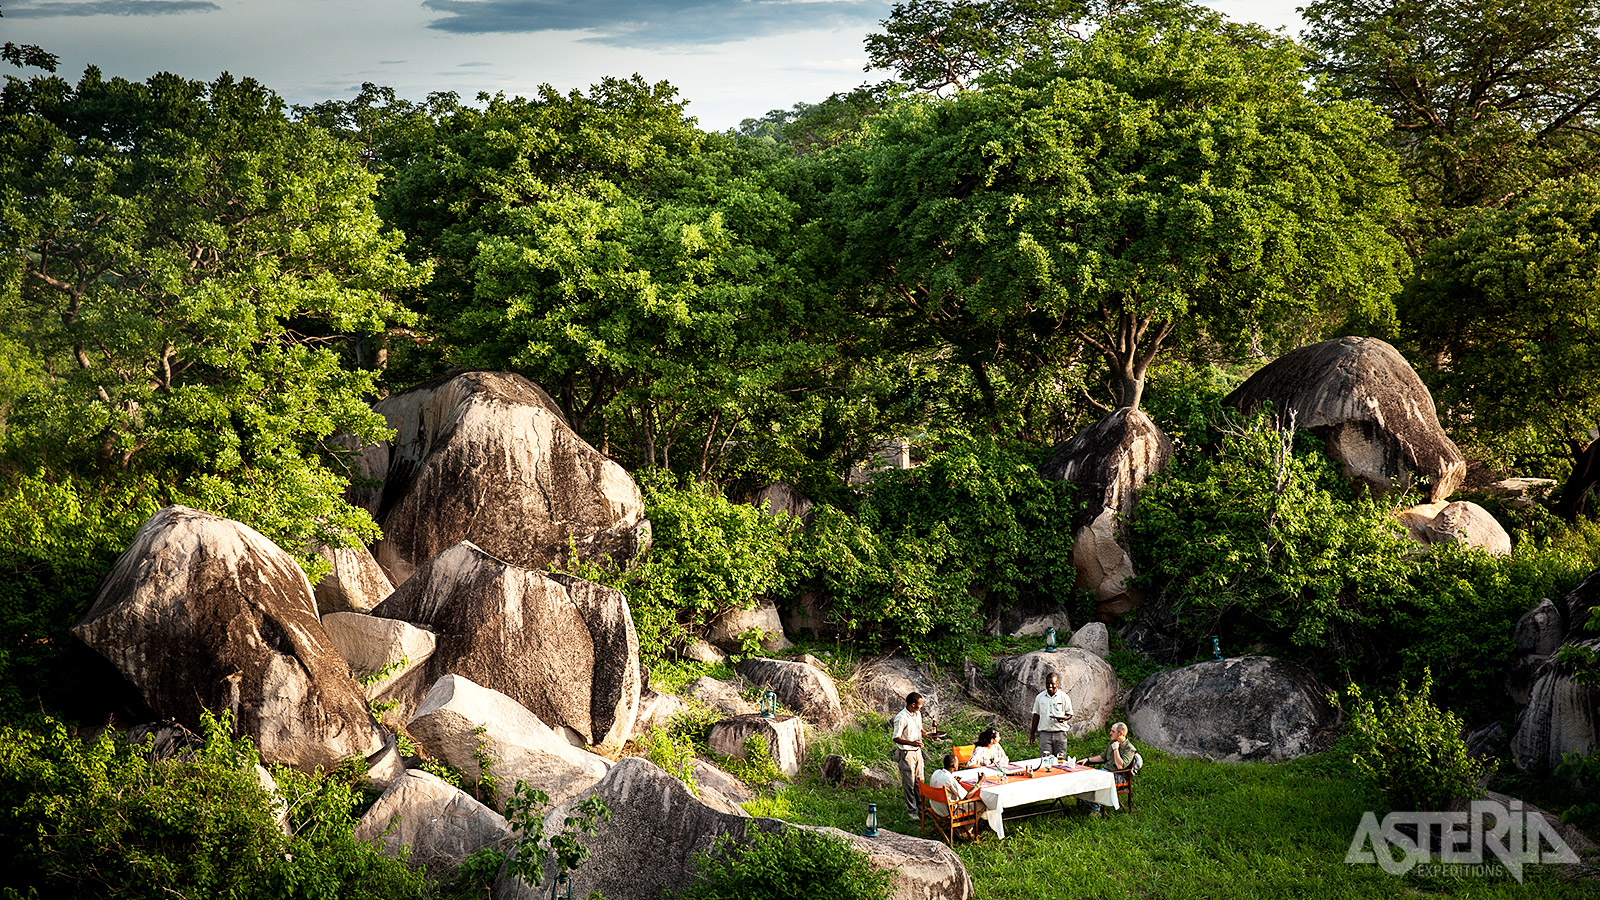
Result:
<point x="1029" y="781"/>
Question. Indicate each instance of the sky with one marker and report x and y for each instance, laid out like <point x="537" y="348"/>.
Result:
<point x="731" y="59"/>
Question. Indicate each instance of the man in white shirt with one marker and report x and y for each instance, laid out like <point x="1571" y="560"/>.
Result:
<point x="906" y="730"/>
<point x="953" y="789"/>
<point x="1052" y="709"/>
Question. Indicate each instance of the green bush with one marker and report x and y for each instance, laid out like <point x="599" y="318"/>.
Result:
<point x="790" y="865"/>
<point x="930" y="549"/>
<point x="1261" y="541"/>
<point x="708" y="555"/>
<point x="99" y="819"/>
<point x="1411" y="750"/>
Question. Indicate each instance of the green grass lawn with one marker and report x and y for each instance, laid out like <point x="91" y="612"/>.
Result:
<point x="1200" y="830"/>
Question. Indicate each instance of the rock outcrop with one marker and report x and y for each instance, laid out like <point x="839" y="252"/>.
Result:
<point x="1108" y="462"/>
<point x="1249" y="709"/>
<point x="884" y="683"/>
<point x="785" y="737"/>
<point x="354" y="583"/>
<point x="1094" y="638"/>
<point x="441" y="823"/>
<point x="202" y="613"/>
<point x="562" y="647"/>
<point x="487" y="457"/>
<point x="1087" y="679"/>
<point x="462" y="723"/>
<point x="380" y="651"/>
<point x="718" y="695"/>
<point x="1563" y="714"/>
<point x="1461" y="522"/>
<point x="805" y="689"/>
<point x="727" y="629"/>
<point x="1373" y="413"/>
<point x="781" y="499"/>
<point x="657" y="828"/>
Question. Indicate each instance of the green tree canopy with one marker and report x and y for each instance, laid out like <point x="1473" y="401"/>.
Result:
<point x="1488" y="97"/>
<point x="633" y="265"/>
<point x="1509" y="308"/>
<point x="183" y="270"/>
<point x="1145" y="188"/>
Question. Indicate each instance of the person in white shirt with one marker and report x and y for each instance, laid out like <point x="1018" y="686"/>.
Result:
<point x="906" y="731"/>
<point x="953" y="789"/>
<point x="1052" y="709"/>
<point x="988" y="751"/>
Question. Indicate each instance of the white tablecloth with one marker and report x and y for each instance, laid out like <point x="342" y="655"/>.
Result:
<point x="1096" y="785"/>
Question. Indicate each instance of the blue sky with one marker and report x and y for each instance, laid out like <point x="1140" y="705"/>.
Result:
<point x="729" y="58"/>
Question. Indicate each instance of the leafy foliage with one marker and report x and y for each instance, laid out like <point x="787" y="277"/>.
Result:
<point x="183" y="267"/>
<point x="531" y="848"/>
<point x="975" y="526"/>
<point x="1411" y="750"/>
<point x="99" y="819"/>
<point x="1488" y="98"/>
<point x="1144" y="189"/>
<point x="794" y="863"/>
<point x="1511" y="302"/>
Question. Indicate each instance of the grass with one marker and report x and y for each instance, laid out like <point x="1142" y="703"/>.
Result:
<point x="1200" y="830"/>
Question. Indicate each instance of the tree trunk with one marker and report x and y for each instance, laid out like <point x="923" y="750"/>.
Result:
<point x="1574" y="500"/>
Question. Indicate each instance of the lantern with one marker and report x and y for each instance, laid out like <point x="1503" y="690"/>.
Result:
<point x="1216" y="648"/>
<point x="561" y="888"/>
<point x="872" y="820"/>
<point x="1050" y="639"/>
<point x="769" y="704"/>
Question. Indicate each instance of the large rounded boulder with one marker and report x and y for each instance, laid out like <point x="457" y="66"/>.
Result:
<point x="657" y="828"/>
<point x="1563" y="713"/>
<point x="1108" y="463"/>
<point x="1373" y="413"/>
<point x="1249" y="709"/>
<point x="488" y="457"/>
<point x="805" y="689"/>
<point x="1088" y="681"/>
<point x="562" y="647"/>
<point x="203" y="614"/>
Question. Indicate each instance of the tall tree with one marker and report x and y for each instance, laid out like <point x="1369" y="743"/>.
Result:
<point x="936" y="46"/>
<point x="628" y="262"/>
<point x="185" y="268"/>
<point x="1488" y="97"/>
<point x="1144" y="189"/>
<point x="1513" y="305"/>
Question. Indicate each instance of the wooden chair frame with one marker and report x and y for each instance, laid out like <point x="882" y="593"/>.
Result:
<point x="1125" y="788"/>
<point x="963" y="813"/>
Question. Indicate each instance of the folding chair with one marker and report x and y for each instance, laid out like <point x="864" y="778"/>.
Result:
<point x="1124" y="778"/>
<point x="963" y="813"/>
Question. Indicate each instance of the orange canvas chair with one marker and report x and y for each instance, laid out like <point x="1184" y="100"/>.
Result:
<point x="963" y="813"/>
<point x="963" y="753"/>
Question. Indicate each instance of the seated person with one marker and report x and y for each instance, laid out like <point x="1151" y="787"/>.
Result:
<point x="988" y="752"/>
<point x="1119" y="751"/>
<point x="1119" y="754"/>
<point x="946" y="778"/>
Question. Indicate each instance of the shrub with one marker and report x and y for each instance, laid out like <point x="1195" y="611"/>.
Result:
<point x="1413" y="751"/>
<point x="671" y="755"/>
<point x="708" y="555"/>
<point x="930" y="548"/>
<point x="794" y="864"/>
<point x="99" y="819"/>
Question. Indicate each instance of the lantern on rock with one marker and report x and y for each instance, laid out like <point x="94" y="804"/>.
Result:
<point x="1050" y="639"/>
<point x="769" y="704"/>
<point x="561" y="888"/>
<point x="872" y="820"/>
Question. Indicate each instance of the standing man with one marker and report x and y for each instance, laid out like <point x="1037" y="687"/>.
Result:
<point x="1052" y="709"/>
<point x="906" y="729"/>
